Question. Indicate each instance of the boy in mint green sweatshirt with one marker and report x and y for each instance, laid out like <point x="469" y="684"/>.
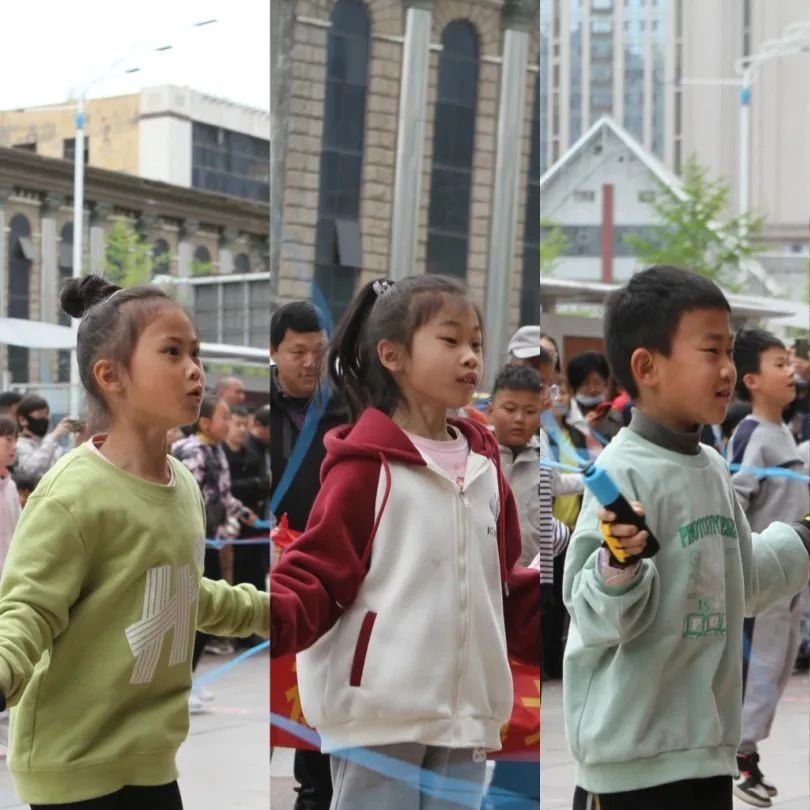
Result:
<point x="652" y="681"/>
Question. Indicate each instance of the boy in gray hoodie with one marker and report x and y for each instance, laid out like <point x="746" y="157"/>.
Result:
<point x="771" y="639"/>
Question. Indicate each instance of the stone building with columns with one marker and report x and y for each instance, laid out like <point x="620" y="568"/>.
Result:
<point x="410" y="146"/>
<point x="185" y="228"/>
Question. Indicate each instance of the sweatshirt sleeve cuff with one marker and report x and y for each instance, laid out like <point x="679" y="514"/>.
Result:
<point x="611" y="576"/>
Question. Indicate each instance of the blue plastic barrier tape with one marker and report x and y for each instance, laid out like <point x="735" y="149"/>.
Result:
<point x="218" y="672"/>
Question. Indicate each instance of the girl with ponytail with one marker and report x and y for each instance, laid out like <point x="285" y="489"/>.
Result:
<point x="397" y="595"/>
<point x="102" y="591"/>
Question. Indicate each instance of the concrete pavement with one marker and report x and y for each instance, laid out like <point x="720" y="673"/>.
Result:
<point x="224" y="762"/>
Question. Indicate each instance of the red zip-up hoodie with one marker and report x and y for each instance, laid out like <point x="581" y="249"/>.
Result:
<point x="404" y="593"/>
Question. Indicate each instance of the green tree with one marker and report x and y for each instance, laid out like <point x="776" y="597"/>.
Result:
<point x="691" y="231"/>
<point x="128" y="259"/>
<point x="552" y="246"/>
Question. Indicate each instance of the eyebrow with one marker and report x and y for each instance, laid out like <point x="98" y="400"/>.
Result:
<point x="174" y="339"/>
<point x="476" y="328"/>
<point x="716" y="336"/>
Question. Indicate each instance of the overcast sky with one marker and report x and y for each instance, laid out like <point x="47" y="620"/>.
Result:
<point x="47" y="50"/>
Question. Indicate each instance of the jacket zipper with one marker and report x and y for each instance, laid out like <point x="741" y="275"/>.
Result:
<point x="463" y="605"/>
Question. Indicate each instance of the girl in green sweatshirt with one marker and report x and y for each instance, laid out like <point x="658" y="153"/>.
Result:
<point x="102" y="590"/>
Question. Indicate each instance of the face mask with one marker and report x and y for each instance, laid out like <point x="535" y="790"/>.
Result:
<point x="559" y="408"/>
<point x="590" y="402"/>
<point x="39" y="427"/>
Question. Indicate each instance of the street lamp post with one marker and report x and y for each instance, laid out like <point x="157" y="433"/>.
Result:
<point x="78" y="201"/>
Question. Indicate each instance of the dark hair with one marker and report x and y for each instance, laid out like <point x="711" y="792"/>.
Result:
<point x="546" y="336"/>
<point x="262" y="416"/>
<point x="749" y="344"/>
<point x="8" y="427"/>
<point x="207" y="408"/>
<point x="238" y="410"/>
<point x="517" y="378"/>
<point x="737" y="411"/>
<point x="383" y="311"/>
<point x="109" y="328"/>
<point x="583" y="364"/>
<point x="30" y="403"/>
<point x="645" y="313"/>
<point x="298" y="316"/>
<point x="10" y="398"/>
<point x="25" y="482"/>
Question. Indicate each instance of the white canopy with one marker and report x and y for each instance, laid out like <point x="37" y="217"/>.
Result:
<point x="35" y="334"/>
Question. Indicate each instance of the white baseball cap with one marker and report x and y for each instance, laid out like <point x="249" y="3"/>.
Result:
<point x="526" y="342"/>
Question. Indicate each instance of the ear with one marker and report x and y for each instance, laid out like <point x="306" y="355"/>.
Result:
<point x="391" y="355"/>
<point x="644" y="368"/>
<point x="490" y="408"/>
<point x="107" y="377"/>
<point x="751" y="381"/>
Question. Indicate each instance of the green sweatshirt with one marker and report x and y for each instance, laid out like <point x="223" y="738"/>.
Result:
<point x="100" y="597"/>
<point x="652" y="690"/>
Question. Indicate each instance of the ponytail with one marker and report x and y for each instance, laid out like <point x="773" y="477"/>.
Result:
<point x="382" y="310"/>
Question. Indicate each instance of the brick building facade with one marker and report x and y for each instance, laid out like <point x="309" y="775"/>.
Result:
<point x="396" y="226"/>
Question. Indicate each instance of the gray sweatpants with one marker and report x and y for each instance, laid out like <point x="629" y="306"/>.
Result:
<point x="774" y="646"/>
<point x="414" y="777"/>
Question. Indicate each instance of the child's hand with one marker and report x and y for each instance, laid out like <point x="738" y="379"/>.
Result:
<point x="625" y="539"/>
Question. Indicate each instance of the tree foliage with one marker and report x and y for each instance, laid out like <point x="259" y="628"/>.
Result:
<point x="128" y="259"/>
<point x="552" y="246"/>
<point x="692" y="233"/>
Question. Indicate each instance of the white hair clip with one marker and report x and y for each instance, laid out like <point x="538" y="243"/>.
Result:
<point x="382" y="286"/>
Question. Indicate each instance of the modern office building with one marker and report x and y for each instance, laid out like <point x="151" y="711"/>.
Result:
<point x="664" y="70"/>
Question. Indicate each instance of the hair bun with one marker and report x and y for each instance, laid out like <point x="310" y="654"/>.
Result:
<point x="79" y="294"/>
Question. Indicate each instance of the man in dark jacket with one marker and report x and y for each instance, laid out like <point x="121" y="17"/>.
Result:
<point x="297" y="347"/>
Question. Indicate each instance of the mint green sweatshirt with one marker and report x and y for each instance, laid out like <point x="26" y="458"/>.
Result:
<point x="100" y="597"/>
<point x="652" y="687"/>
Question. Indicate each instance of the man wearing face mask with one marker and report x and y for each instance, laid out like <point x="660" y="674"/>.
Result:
<point x="38" y="450"/>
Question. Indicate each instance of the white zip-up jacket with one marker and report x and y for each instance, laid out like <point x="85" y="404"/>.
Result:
<point x="400" y="596"/>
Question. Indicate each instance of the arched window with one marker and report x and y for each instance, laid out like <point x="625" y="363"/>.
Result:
<point x="20" y="258"/>
<point x="160" y="258"/>
<point x="453" y="150"/>
<point x="65" y="273"/>
<point x="530" y="287"/>
<point x="338" y="243"/>
<point x="201" y="264"/>
<point x="241" y="263"/>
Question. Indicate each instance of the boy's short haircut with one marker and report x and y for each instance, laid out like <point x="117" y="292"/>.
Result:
<point x="239" y="411"/>
<point x="749" y="344"/>
<point x="583" y="364"/>
<point x="737" y="411"/>
<point x="518" y="378"/>
<point x="8" y="427"/>
<point x="8" y="399"/>
<point x="297" y="316"/>
<point x="645" y="313"/>
<point x="25" y="483"/>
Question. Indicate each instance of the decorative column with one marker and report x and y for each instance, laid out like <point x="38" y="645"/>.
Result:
<point x="511" y="114"/>
<point x="410" y="137"/>
<point x="98" y="237"/>
<point x="48" y="277"/>
<point x="5" y="192"/>
<point x="185" y="257"/>
<point x="226" y="242"/>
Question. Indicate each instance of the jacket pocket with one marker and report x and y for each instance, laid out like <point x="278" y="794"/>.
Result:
<point x="361" y="649"/>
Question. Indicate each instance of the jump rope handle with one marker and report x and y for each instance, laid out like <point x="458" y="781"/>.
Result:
<point x="607" y="493"/>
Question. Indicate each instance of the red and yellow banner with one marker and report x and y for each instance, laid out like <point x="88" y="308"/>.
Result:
<point x="520" y="737"/>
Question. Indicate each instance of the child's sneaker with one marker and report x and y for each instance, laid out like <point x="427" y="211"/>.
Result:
<point x="752" y="787"/>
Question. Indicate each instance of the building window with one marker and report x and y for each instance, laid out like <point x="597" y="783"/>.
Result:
<point x="201" y="263"/>
<point x="530" y="286"/>
<point x="26" y="147"/>
<point x="646" y="196"/>
<point x="241" y="263"/>
<point x="338" y="242"/>
<point x="160" y="258"/>
<point x="69" y="149"/>
<point x="453" y="150"/>
<point x="230" y="162"/>
<point x="233" y="312"/>
<point x="20" y="258"/>
<point x="584" y="196"/>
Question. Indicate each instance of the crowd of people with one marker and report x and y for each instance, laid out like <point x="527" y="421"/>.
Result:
<point x="429" y="517"/>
